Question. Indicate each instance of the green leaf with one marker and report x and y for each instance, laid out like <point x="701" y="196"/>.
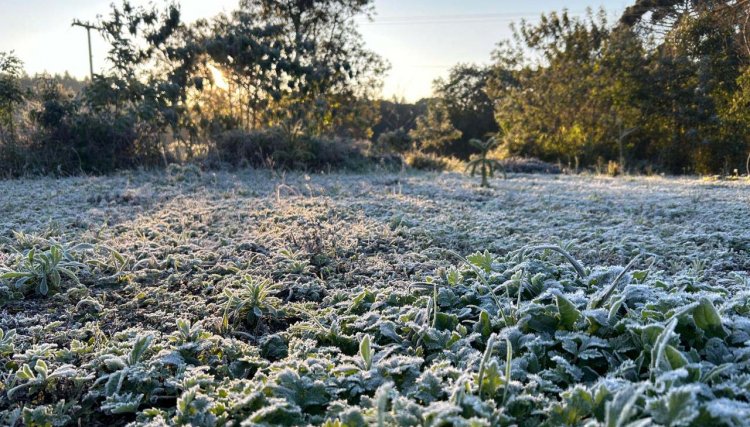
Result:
<point x="122" y="403"/>
<point x="445" y="321"/>
<point x="365" y="352"/>
<point x="707" y="318"/>
<point x="568" y="312"/>
<point x="43" y="288"/>
<point x="677" y="408"/>
<point x="578" y="403"/>
<point x="41" y="367"/>
<point x="484" y="325"/>
<point x="70" y="274"/>
<point x="492" y="379"/>
<point x="453" y="276"/>
<point x="25" y="372"/>
<point x="620" y="408"/>
<point x="139" y="348"/>
<point x="658" y="361"/>
<point x="675" y="357"/>
<point x="483" y="261"/>
<point x="484" y="363"/>
<point x="14" y="275"/>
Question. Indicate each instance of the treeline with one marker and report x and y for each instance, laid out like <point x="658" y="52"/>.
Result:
<point x="285" y="83"/>
<point x="665" y="89"/>
<point x="290" y="84"/>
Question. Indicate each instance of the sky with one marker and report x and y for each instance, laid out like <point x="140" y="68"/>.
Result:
<point x="421" y="39"/>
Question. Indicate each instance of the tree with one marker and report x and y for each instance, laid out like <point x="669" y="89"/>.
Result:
<point x="551" y="107"/>
<point x="11" y="93"/>
<point x="331" y="74"/>
<point x="397" y="114"/>
<point x="395" y="141"/>
<point x="694" y="72"/>
<point x="154" y="58"/>
<point x="470" y="108"/>
<point x="250" y="54"/>
<point x="434" y="130"/>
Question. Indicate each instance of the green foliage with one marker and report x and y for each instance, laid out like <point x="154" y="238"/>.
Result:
<point x="175" y="89"/>
<point x="568" y="312"/>
<point x="11" y="92"/>
<point x="434" y="130"/>
<point x="42" y="271"/>
<point x="707" y="318"/>
<point x="482" y="162"/>
<point x="365" y="352"/>
<point x="251" y="302"/>
<point x="481" y="260"/>
<point x="6" y="342"/>
<point x="395" y="141"/>
<point x="469" y="107"/>
<point x="431" y="162"/>
<point x="573" y="89"/>
<point x="654" y="352"/>
<point x="271" y="148"/>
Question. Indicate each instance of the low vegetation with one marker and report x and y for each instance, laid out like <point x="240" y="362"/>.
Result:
<point x="482" y="163"/>
<point x="350" y="300"/>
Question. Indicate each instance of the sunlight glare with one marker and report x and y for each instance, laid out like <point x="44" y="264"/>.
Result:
<point x="218" y="77"/>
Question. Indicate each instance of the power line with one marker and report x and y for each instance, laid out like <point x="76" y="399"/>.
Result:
<point x="455" y="18"/>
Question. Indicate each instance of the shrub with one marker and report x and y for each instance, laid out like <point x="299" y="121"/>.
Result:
<point x="66" y="135"/>
<point x="41" y="272"/>
<point x="270" y="147"/>
<point x="431" y="162"/>
<point x="339" y="153"/>
<point x="396" y="141"/>
<point x="529" y="165"/>
<point x="238" y="146"/>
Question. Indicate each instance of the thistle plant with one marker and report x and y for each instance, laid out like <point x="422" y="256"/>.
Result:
<point x="7" y="344"/>
<point x="294" y="263"/>
<point x="252" y="301"/>
<point x="484" y="164"/>
<point x="43" y="271"/>
<point x="37" y="378"/>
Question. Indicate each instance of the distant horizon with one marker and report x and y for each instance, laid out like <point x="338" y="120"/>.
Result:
<point x="421" y="39"/>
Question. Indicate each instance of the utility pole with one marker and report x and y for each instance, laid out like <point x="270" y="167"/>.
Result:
<point x="88" y="26"/>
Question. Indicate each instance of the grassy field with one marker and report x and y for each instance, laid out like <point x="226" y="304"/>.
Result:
<point x="201" y="298"/>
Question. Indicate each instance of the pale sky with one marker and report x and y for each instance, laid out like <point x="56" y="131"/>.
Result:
<point x="421" y="39"/>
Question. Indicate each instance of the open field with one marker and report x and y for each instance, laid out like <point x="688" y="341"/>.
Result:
<point x="209" y="299"/>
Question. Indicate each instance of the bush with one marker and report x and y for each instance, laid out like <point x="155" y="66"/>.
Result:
<point x="239" y="147"/>
<point x="339" y="153"/>
<point x="271" y="148"/>
<point x="65" y="135"/>
<point x="94" y="142"/>
<point x="529" y="165"/>
<point x="12" y="156"/>
<point x="396" y="141"/>
<point x="432" y="162"/>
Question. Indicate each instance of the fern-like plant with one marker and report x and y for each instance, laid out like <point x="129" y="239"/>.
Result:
<point x="482" y="163"/>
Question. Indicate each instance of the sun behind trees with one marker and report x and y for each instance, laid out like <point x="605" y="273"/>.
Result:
<point x="278" y="76"/>
<point x="291" y="84"/>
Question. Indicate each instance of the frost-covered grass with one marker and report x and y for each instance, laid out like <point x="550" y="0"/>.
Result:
<point x="212" y="299"/>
